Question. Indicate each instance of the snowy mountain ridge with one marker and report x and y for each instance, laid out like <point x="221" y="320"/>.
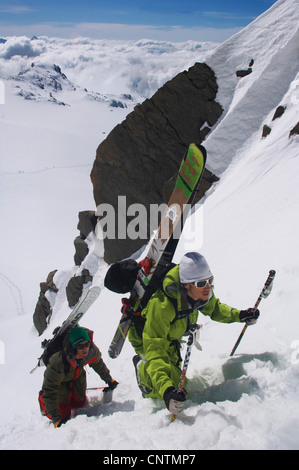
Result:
<point x="251" y="225"/>
<point x="247" y="101"/>
<point x="44" y="83"/>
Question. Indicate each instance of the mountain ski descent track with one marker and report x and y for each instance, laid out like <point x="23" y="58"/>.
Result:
<point x="15" y="293"/>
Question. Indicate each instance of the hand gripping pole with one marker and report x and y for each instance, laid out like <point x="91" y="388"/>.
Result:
<point x="263" y="295"/>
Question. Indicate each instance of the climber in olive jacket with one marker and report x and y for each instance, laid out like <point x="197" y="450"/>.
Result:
<point x="187" y="288"/>
<point x="64" y="385"/>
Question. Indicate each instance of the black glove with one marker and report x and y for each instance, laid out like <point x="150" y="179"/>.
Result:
<point x="249" y="316"/>
<point x="111" y="386"/>
<point x="174" y="400"/>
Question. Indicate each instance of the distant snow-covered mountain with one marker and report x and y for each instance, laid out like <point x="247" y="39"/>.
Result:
<point x="44" y="83"/>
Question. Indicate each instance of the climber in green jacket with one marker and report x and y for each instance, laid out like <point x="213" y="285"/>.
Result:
<point x="187" y="288"/>
<point x="64" y="385"/>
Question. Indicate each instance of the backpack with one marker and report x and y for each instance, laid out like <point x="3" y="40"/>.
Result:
<point x="121" y="277"/>
<point x="54" y="345"/>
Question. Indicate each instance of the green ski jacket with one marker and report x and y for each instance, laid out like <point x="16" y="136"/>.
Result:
<point x="66" y="375"/>
<point x="168" y="315"/>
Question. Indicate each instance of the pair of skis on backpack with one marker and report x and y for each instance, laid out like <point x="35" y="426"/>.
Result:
<point x="154" y="267"/>
<point x="142" y="279"/>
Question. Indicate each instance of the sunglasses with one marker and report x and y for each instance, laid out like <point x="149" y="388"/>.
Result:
<point x="202" y="284"/>
<point x="83" y="346"/>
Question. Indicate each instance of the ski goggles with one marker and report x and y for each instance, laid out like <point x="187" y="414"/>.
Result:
<point x="202" y="284"/>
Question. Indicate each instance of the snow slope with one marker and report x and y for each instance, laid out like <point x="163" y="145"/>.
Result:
<point x="249" y="401"/>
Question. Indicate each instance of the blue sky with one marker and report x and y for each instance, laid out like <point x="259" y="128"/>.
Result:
<point x="173" y="20"/>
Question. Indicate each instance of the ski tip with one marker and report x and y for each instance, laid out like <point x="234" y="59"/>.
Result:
<point x="201" y="148"/>
<point x="96" y="290"/>
<point x="112" y="353"/>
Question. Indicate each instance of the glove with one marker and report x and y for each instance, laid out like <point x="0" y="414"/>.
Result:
<point x="249" y="316"/>
<point x="174" y="400"/>
<point x="111" y="386"/>
<point x="57" y="422"/>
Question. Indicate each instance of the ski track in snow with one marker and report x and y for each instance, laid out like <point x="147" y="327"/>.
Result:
<point x="15" y="294"/>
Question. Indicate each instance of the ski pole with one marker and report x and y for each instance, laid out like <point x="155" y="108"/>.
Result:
<point x="263" y="295"/>
<point x="193" y="328"/>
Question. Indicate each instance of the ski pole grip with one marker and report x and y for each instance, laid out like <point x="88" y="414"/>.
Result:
<point x="268" y="284"/>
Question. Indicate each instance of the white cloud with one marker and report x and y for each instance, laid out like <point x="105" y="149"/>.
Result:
<point x="137" y="67"/>
<point x="228" y="16"/>
<point x="20" y="46"/>
<point x="120" y="31"/>
<point x="16" y="9"/>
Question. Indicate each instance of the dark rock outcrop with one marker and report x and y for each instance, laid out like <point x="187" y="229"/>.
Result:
<point x="279" y="112"/>
<point x="244" y="72"/>
<point x="294" y="131"/>
<point x="75" y="286"/>
<point x="143" y="152"/>
<point x="86" y="224"/>
<point x="266" y="131"/>
<point x="43" y="309"/>
<point x="81" y="250"/>
<point x="76" y="283"/>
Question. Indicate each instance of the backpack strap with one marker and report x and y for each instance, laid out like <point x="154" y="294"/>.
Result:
<point x="186" y="310"/>
<point x="66" y="363"/>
